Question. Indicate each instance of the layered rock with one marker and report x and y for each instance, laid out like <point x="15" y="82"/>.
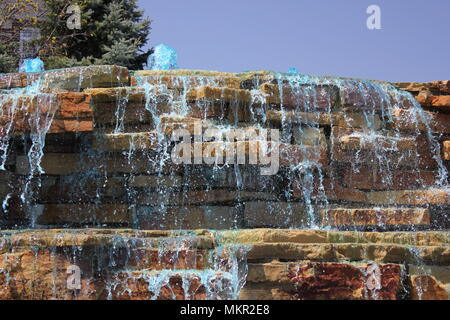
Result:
<point x="96" y="147"/>
<point x="129" y="264"/>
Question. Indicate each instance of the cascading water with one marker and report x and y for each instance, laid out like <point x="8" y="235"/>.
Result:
<point x="31" y="111"/>
<point x="327" y="126"/>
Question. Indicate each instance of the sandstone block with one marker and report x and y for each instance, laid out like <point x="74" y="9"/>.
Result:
<point x="330" y="188"/>
<point x="425" y="238"/>
<point x="122" y="106"/>
<point x="188" y="217"/>
<point x="11" y="80"/>
<point x="74" y="105"/>
<point x="215" y="196"/>
<point x="226" y="95"/>
<point x="313" y="97"/>
<point x="136" y="286"/>
<point x="362" y="95"/>
<point x="375" y="217"/>
<point x="185" y="79"/>
<point x="353" y="139"/>
<point x="68" y="163"/>
<point x="274" y="214"/>
<point x="209" y="102"/>
<point x="142" y="181"/>
<point x="82" y="213"/>
<point x="171" y="123"/>
<point x="340" y="119"/>
<point x="309" y="136"/>
<point x="289" y="116"/>
<point x="168" y="259"/>
<point x="446" y="150"/>
<point x="80" y="78"/>
<point x="41" y="274"/>
<point x="440" y="273"/>
<point x="61" y="126"/>
<point x="126" y="141"/>
<point x="345" y="281"/>
<point x="79" y="188"/>
<point x="427" y="288"/>
<point x="440" y="87"/>
<point x="409" y="121"/>
<point x="350" y="252"/>
<point x="366" y="178"/>
<point x="410" y="197"/>
<point x="54" y="163"/>
<point x="221" y="152"/>
<point x="395" y="159"/>
<point x="435" y="103"/>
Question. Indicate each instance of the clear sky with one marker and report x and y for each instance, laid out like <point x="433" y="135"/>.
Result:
<point x="323" y="37"/>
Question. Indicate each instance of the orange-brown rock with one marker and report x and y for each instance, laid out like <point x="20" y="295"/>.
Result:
<point x="78" y="188"/>
<point x="375" y="217"/>
<point x="223" y="94"/>
<point x="410" y="121"/>
<point x="11" y="80"/>
<point x="169" y="124"/>
<point x="354" y="139"/>
<point x="320" y="97"/>
<point x="184" y="78"/>
<point x="446" y="148"/>
<point x="420" y="158"/>
<point x="168" y="259"/>
<point x="40" y="274"/>
<point x="331" y="189"/>
<point x="410" y="197"/>
<point x="74" y="105"/>
<point x="381" y="149"/>
<point x="327" y="281"/>
<point x="67" y="163"/>
<point x="274" y="214"/>
<point x="274" y="236"/>
<point x="322" y="280"/>
<point x="114" y="95"/>
<point x="214" y="196"/>
<point x="335" y="252"/>
<point x="68" y="112"/>
<point x="82" y="213"/>
<point x="55" y="163"/>
<point x="125" y="141"/>
<point x="434" y="103"/>
<point x="338" y="119"/>
<point x="373" y="178"/>
<point x="424" y="287"/>
<point x="138" y="286"/>
<point x="438" y="87"/>
<point x="80" y="78"/>
<point x="286" y="154"/>
<point x="61" y="126"/>
<point x="188" y="217"/>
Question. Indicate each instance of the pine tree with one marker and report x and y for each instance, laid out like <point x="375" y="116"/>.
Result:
<point x="112" y="32"/>
<point x="8" y="59"/>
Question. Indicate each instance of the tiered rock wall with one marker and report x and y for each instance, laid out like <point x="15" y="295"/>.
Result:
<point x="91" y="147"/>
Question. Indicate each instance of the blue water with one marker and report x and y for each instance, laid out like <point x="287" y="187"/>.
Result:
<point x="163" y="58"/>
<point x="32" y="65"/>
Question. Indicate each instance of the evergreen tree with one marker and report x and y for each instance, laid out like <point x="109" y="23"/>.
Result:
<point x="112" y="32"/>
<point x="8" y="58"/>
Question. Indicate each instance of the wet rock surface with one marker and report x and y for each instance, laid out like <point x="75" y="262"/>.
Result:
<point x="357" y="207"/>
